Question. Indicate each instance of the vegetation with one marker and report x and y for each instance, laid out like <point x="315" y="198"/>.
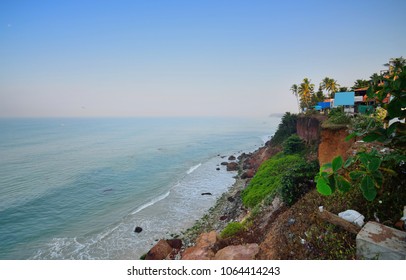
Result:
<point x="286" y="128"/>
<point x="268" y="178"/>
<point x="231" y="229"/>
<point x="297" y="181"/>
<point x="305" y="91"/>
<point x="330" y="85"/>
<point x="293" y="145"/>
<point x="369" y="169"/>
<point x="337" y="118"/>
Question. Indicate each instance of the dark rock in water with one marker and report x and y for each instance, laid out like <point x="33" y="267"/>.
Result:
<point x="231" y="199"/>
<point x="231" y="158"/>
<point x="217" y="169"/>
<point x="224" y="163"/>
<point x="206" y="193"/>
<point x="222" y="218"/>
<point x="137" y="229"/>
<point x="107" y="190"/>
<point x="175" y="243"/>
<point x="232" y="166"/>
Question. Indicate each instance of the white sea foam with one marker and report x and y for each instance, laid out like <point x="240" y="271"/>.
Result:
<point x="193" y="168"/>
<point x="152" y="202"/>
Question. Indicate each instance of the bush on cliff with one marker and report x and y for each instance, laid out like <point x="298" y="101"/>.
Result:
<point x="268" y="178"/>
<point x="286" y="128"/>
<point x="298" y="180"/>
<point x="293" y="145"/>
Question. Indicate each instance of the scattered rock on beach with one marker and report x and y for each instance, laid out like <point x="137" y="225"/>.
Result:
<point x="206" y="193"/>
<point x="231" y="199"/>
<point x="224" y="163"/>
<point x="218" y="169"/>
<point x="138" y="229"/>
<point x="231" y="158"/>
<point x="232" y="166"/>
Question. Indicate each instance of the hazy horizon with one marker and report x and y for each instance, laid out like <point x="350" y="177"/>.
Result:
<point x="185" y="58"/>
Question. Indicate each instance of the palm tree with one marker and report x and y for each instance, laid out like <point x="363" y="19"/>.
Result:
<point x="360" y="84"/>
<point x="330" y="85"/>
<point x="294" y="90"/>
<point x="396" y="64"/>
<point x="305" y="92"/>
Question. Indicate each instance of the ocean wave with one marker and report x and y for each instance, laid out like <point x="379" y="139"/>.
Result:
<point x="152" y="202"/>
<point x="193" y="168"/>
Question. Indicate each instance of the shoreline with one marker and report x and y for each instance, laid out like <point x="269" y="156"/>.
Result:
<point x="227" y="208"/>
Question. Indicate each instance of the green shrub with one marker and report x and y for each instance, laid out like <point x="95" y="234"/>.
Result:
<point x="338" y="116"/>
<point x="293" y="145"/>
<point x="267" y="179"/>
<point x="297" y="181"/>
<point x="286" y="128"/>
<point x="231" y="229"/>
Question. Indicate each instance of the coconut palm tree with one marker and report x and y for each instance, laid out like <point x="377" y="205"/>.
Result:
<point x="330" y="85"/>
<point x="360" y="84"/>
<point x="294" y="89"/>
<point x="305" y="91"/>
<point x="395" y="64"/>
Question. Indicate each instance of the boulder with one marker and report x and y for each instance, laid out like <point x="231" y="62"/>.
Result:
<point x="238" y="252"/>
<point x="207" y="193"/>
<point x="218" y="169"/>
<point x="231" y="199"/>
<point x="203" y="250"/>
<point x="231" y="158"/>
<point x="175" y="243"/>
<point x="222" y="218"/>
<point x="224" y="163"/>
<point x="138" y="229"/>
<point x="232" y="166"/>
<point x="160" y="251"/>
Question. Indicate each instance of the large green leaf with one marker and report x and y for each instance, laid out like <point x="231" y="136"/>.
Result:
<point x="355" y="175"/>
<point x="374" y="164"/>
<point x="343" y="185"/>
<point x="348" y="162"/>
<point x="368" y="188"/>
<point x="337" y="163"/>
<point x="323" y="187"/>
<point x="371" y="137"/>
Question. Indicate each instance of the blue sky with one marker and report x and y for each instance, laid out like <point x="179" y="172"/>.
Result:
<point x="185" y="58"/>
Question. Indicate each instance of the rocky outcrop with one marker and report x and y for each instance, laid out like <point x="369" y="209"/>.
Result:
<point x="238" y="252"/>
<point x="204" y="248"/>
<point x="160" y="251"/>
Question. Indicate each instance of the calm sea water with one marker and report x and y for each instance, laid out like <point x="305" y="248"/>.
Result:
<point x="76" y="188"/>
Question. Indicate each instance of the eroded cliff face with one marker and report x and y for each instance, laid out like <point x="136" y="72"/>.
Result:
<point x="308" y="128"/>
<point x="332" y="144"/>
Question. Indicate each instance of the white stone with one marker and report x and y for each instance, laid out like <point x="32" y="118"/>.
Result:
<point x="352" y="216"/>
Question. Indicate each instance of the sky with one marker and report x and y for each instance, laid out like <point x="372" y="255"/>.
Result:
<point x="186" y="58"/>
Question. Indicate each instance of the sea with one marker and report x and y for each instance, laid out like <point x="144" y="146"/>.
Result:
<point x="76" y="188"/>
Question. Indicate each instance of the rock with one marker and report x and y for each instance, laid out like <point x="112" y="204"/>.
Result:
<point x="231" y="158"/>
<point x="160" y="251"/>
<point x="238" y="252"/>
<point x="231" y="199"/>
<point x="217" y="168"/>
<point x="291" y="221"/>
<point x="175" y="243"/>
<point x="248" y="174"/>
<point x="232" y="166"/>
<point x="224" y="163"/>
<point x="206" y="193"/>
<point x="138" y="229"/>
<point x="222" y="218"/>
<point x="203" y="250"/>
